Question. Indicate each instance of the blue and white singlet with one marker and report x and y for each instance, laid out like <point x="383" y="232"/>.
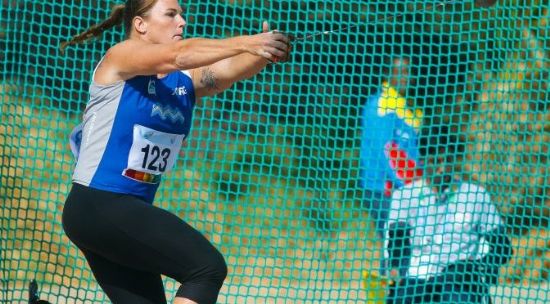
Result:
<point x="132" y="133"/>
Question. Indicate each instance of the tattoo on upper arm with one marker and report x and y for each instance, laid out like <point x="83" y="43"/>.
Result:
<point x="208" y="79"/>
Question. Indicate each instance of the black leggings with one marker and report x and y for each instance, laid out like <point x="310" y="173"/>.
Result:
<point x="129" y="243"/>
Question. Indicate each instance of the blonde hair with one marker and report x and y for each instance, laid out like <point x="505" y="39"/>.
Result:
<point x="120" y="13"/>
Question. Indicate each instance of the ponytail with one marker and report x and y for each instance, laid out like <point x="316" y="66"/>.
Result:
<point x="116" y="17"/>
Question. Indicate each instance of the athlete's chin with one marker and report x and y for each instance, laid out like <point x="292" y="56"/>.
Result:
<point x="177" y="38"/>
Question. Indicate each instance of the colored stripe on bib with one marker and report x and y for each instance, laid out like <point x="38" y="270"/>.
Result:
<point x="142" y="176"/>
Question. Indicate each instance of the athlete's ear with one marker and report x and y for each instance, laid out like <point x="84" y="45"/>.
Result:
<point x="140" y="25"/>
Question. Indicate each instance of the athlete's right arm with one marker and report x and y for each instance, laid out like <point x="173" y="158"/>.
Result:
<point x="134" y="57"/>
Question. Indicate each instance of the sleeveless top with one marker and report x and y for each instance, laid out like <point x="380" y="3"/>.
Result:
<point x="132" y="133"/>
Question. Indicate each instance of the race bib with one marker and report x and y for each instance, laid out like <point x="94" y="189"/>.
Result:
<point x="152" y="151"/>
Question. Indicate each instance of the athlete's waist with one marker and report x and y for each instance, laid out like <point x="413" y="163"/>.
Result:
<point x="120" y="184"/>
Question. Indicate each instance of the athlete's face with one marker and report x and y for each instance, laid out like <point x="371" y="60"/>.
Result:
<point x="164" y="22"/>
<point x="400" y="74"/>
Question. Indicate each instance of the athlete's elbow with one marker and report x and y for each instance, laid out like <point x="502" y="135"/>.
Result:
<point x="224" y="85"/>
<point x="213" y="90"/>
<point x="181" y="56"/>
<point x="183" y="61"/>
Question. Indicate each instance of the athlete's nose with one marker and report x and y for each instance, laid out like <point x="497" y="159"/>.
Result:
<point x="181" y="22"/>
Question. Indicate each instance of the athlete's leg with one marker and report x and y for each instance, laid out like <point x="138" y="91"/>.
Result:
<point x="168" y="245"/>
<point x="127" y="231"/>
<point x="378" y="207"/>
<point x="123" y="284"/>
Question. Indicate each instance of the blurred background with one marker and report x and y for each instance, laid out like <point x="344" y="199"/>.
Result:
<point x="270" y="174"/>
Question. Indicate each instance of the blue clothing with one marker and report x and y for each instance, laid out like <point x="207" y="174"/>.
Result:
<point x="132" y="133"/>
<point x="386" y="123"/>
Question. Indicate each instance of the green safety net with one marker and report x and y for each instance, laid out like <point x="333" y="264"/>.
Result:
<point x="272" y="171"/>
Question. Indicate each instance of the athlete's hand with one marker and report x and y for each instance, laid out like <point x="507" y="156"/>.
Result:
<point x="272" y="45"/>
<point x="286" y="57"/>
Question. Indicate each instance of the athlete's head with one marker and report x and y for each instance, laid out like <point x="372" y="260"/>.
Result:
<point x="441" y="153"/>
<point x="399" y="75"/>
<point x="155" y="21"/>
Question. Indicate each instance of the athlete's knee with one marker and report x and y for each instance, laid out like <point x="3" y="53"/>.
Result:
<point x="212" y="269"/>
<point x="205" y="284"/>
<point x="216" y="271"/>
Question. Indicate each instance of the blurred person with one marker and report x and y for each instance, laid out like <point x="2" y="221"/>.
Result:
<point x="445" y="239"/>
<point x="142" y="96"/>
<point x="389" y="154"/>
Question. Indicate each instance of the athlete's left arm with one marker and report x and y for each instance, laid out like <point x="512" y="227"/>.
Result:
<point x="220" y="76"/>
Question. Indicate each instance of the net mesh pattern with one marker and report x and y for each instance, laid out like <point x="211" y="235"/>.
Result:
<point x="275" y="173"/>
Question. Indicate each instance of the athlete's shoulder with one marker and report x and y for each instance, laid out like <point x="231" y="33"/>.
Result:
<point x="126" y="45"/>
<point x="108" y="70"/>
<point x="371" y="104"/>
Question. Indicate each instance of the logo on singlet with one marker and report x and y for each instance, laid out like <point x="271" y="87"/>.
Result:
<point x="151" y="88"/>
<point x="167" y="112"/>
<point x="180" y="91"/>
